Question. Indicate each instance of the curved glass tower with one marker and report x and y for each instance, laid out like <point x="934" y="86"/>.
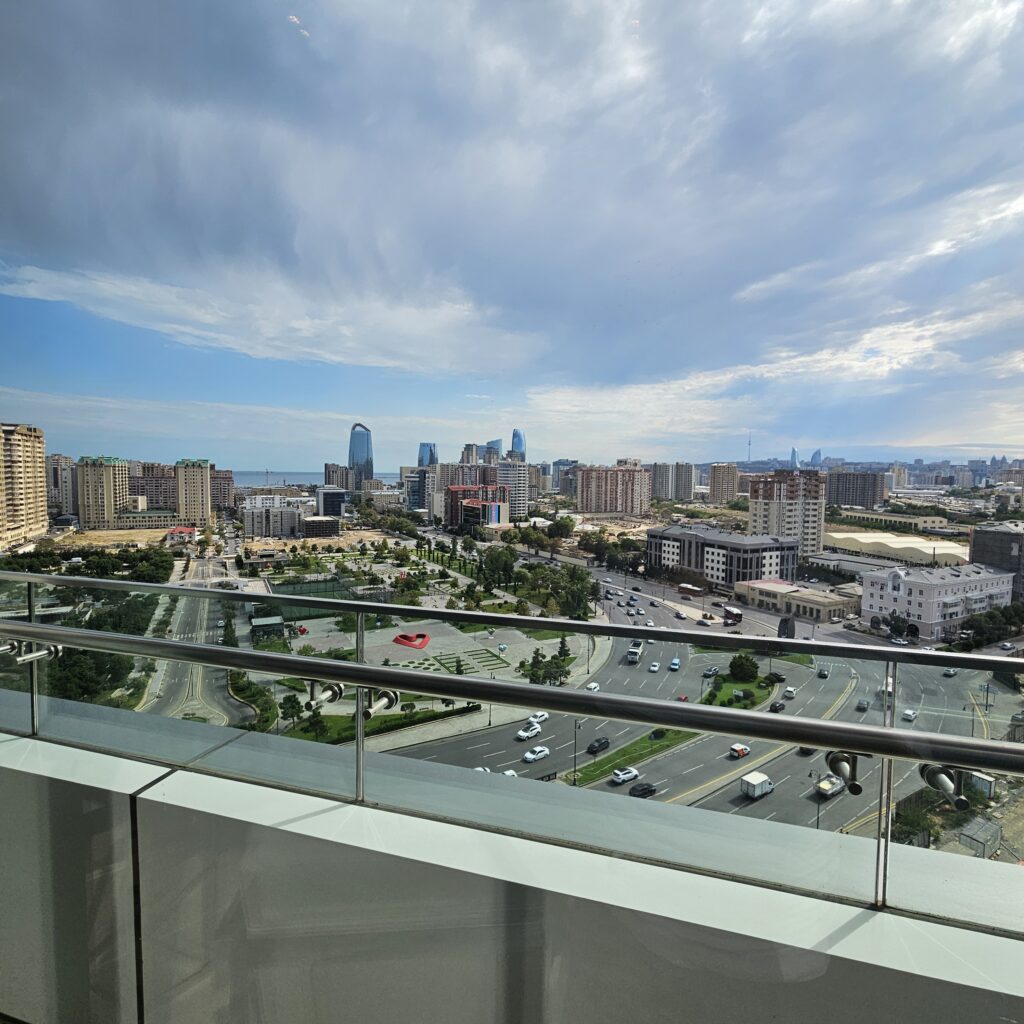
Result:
<point x="428" y="454"/>
<point x="519" y="443"/>
<point x="360" y="454"/>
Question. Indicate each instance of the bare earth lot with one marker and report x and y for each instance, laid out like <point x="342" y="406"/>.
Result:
<point x="110" y="538"/>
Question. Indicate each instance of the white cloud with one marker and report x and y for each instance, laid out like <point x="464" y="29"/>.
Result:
<point x="263" y="316"/>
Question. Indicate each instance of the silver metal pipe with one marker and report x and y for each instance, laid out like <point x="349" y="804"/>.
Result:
<point x="961" y="751"/>
<point x="384" y="701"/>
<point x="360" y="713"/>
<point x="33" y="669"/>
<point x="726" y="642"/>
<point x="44" y="653"/>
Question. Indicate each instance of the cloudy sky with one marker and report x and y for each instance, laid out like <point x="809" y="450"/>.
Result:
<point x="231" y="229"/>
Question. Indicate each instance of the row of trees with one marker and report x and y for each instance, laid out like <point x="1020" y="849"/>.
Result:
<point x="544" y="671"/>
<point x="142" y="565"/>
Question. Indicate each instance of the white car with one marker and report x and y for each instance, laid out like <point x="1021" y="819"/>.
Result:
<point x="539" y="716"/>
<point x="479" y="769"/>
<point x="536" y="754"/>
<point x="950" y="672"/>
<point x="909" y="715"/>
<point x="622" y="775"/>
<point x="640" y="610"/>
<point x="654" y="604"/>
<point x="509" y="772"/>
<point x="738" y="750"/>
<point x="898" y="641"/>
<point x="703" y="622"/>
<point x="655" y="666"/>
<point x="592" y="687"/>
<point x="649" y="622"/>
<point x="606" y="579"/>
<point x="220" y="625"/>
<point x="529" y="731"/>
<point x="1006" y="647"/>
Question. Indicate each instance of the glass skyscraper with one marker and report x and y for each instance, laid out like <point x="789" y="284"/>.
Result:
<point x="360" y="454"/>
<point x="519" y="443"/>
<point x="428" y="454"/>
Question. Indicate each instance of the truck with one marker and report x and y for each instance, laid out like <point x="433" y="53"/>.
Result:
<point x="830" y="785"/>
<point x="756" y="785"/>
<point x="636" y="648"/>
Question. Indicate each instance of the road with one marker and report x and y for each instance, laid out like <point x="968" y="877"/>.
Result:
<point x="702" y="772"/>
<point x="180" y="690"/>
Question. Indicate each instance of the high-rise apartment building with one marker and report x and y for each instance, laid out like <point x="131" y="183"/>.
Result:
<point x="662" y="481"/>
<point x="790" y="503"/>
<point x="516" y="477"/>
<point x="470" y="454"/>
<point x="558" y="467"/>
<point x="336" y="475"/>
<point x="723" y="483"/>
<point x="457" y="496"/>
<point x="23" y="489"/>
<point x="1001" y="545"/>
<point x="102" y="491"/>
<point x="624" y="487"/>
<point x="222" y="487"/>
<point x="360" y="455"/>
<point x="62" y="484"/>
<point x="682" y="484"/>
<point x="157" y="481"/>
<point x="427" y="454"/>
<point x="863" y="490"/>
<point x="194" y="500"/>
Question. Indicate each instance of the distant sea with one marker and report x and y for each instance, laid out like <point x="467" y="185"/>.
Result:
<point x="279" y="477"/>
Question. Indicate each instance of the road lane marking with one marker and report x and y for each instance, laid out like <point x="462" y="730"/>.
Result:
<point x="497" y="753"/>
<point x="563" y="745"/>
<point x="477" y="746"/>
<point x="770" y="816"/>
<point x="621" y="732"/>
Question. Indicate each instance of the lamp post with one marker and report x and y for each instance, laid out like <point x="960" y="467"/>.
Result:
<point x="817" y="798"/>
<point x="972" y="716"/>
<point x="577" y="725"/>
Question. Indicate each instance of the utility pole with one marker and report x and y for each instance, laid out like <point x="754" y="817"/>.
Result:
<point x="817" y="797"/>
<point x="577" y="725"/>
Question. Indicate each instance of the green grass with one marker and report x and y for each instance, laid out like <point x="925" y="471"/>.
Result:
<point x="542" y="634"/>
<point x="470" y="627"/>
<point x="631" y="754"/>
<point x="797" y="659"/>
<point x="342" y="728"/>
<point x="291" y="683"/>
<point x="274" y="644"/>
<point x="730" y="686"/>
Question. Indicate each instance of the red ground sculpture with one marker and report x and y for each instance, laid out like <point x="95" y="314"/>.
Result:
<point x="417" y="640"/>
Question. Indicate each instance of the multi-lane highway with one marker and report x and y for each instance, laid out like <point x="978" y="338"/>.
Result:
<point x="702" y="772"/>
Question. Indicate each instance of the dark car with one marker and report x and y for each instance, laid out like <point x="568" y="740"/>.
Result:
<point x="776" y="706"/>
<point x="863" y="704"/>
<point x="1017" y="718"/>
<point x="823" y="672"/>
<point x="775" y="677"/>
<point x="599" y="744"/>
<point x="716" y="604"/>
<point x="806" y="751"/>
<point x="637" y="589"/>
<point x="643" y="790"/>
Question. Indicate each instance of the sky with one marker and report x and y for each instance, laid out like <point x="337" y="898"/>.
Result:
<point x="628" y="228"/>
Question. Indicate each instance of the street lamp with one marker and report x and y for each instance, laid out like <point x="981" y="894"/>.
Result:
<point x="577" y="725"/>
<point x="817" y="798"/>
<point x="972" y="716"/>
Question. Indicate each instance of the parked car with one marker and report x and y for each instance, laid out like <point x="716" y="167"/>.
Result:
<point x="539" y="716"/>
<point x="536" y="754"/>
<point x="220" y="625"/>
<point x="595" y="746"/>
<point x="910" y="715"/>
<point x="673" y="665"/>
<point x="655" y="666"/>
<point x="863" y="704"/>
<point x="623" y="775"/>
<point x="776" y="706"/>
<point x="739" y="750"/>
<point x="643" y="790"/>
<point x="711" y="670"/>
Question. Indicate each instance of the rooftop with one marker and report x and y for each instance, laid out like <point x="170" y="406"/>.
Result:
<point x="945" y="574"/>
<point x="721" y="536"/>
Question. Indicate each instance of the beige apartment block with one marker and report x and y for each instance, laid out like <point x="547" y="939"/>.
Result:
<point x="102" y="491"/>
<point x="22" y="484"/>
<point x="790" y="503"/>
<point x="723" y="483"/>
<point x="624" y="487"/>
<point x="195" y="501"/>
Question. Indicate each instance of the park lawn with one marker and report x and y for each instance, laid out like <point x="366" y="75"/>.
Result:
<point x="470" y="627"/>
<point x="499" y="607"/>
<point x="542" y="634"/>
<point x="275" y="646"/>
<point x="797" y="659"/>
<point x="631" y="754"/>
<point x="291" y="683"/>
<point x="342" y="728"/>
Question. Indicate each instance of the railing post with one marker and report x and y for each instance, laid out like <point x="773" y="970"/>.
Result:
<point x="33" y="667"/>
<point x="885" y="792"/>
<point x="360" y="704"/>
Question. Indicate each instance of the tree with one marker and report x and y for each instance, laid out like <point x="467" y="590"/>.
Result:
<point x="316" y="724"/>
<point x="459" y="667"/>
<point x="563" y="648"/>
<point x="522" y="608"/>
<point x="291" y="708"/>
<point x="451" y="603"/>
<point x="743" y="668"/>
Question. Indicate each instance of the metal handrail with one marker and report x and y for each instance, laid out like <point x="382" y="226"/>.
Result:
<point x="727" y="642"/>
<point x="963" y="752"/>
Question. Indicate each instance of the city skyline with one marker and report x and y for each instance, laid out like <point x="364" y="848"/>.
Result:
<point x="757" y="238"/>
